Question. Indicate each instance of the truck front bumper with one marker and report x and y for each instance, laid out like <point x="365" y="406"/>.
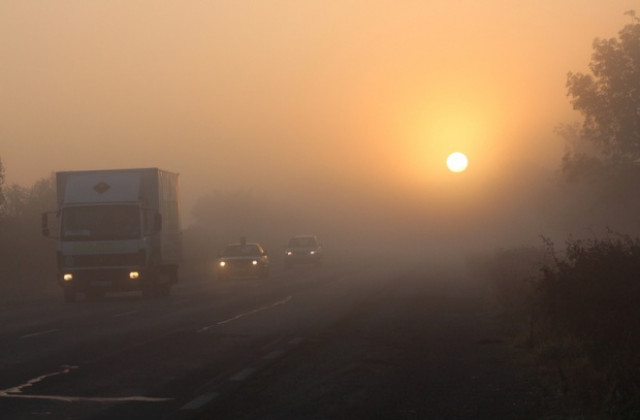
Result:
<point x="114" y="280"/>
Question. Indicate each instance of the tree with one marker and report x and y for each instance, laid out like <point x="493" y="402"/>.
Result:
<point x="603" y="150"/>
<point x="1" y="185"/>
<point x="609" y="101"/>
<point x="27" y="260"/>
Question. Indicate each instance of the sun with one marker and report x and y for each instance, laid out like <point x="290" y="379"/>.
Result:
<point x="457" y="162"/>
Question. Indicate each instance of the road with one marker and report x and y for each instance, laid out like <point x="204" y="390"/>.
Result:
<point x="342" y="341"/>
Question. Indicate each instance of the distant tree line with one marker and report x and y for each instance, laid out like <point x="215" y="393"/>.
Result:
<point x="27" y="261"/>
<point x="1" y="184"/>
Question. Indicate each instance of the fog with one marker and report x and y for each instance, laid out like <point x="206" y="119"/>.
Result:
<point x="336" y="117"/>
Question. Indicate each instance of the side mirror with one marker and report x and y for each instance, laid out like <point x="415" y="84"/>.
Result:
<point x="157" y="222"/>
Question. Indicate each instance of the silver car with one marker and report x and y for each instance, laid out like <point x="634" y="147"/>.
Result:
<point x="303" y="249"/>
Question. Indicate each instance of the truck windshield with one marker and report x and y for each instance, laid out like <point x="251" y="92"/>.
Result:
<point x="84" y="223"/>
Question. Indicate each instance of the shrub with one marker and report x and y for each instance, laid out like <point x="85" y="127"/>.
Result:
<point x="591" y="296"/>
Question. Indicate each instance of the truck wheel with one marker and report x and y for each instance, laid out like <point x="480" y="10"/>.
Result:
<point x="69" y="294"/>
<point x="148" y="290"/>
<point x="151" y="286"/>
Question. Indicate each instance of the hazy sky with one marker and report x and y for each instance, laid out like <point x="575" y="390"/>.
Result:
<point x="331" y="98"/>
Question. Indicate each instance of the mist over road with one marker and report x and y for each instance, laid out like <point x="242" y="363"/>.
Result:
<point x="342" y="341"/>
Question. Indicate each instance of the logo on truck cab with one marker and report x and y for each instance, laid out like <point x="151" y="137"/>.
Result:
<point x="101" y="187"/>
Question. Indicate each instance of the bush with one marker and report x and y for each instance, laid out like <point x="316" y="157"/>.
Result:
<point x="592" y="295"/>
<point x="27" y="260"/>
<point x="578" y="314"/>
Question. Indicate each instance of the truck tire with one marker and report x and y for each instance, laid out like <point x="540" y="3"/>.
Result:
<point x="154" y="286"/>
<point x="149" y="289"/>
<point x="150" y="286"/>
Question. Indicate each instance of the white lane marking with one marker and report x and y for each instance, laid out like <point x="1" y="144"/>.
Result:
<point x="16" y="392"/>
<point x="40" y="333"/>
<point x="200" y="401"/>
<point x="18" y="389"/>
<point x="254" y="311"/>
<point x="84" y="399"/>
<point x="243" y="374"/>
<point x="273" y="355"/>
<point x="260" y="309"/>
<point x="124" y="314"/>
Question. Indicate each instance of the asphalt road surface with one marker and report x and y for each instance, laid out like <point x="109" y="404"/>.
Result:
<point x="345" y="341"/>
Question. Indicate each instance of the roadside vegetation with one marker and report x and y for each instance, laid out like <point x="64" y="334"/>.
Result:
<point x="575" y="307"/>
<point x="27" y="262"/>
<point x="575" y="312"/>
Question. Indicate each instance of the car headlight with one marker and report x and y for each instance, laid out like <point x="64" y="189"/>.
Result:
<point x="222" y="264"/>
<point x="289" y="253"/>
<point x="312" y="252"/>
<point x="254" y="262"/>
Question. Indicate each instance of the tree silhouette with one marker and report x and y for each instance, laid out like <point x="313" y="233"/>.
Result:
<point x="609" y="101"/>
<point x="1" y="185"/>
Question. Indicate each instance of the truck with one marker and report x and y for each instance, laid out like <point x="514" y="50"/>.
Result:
<point x="117" y="230"/>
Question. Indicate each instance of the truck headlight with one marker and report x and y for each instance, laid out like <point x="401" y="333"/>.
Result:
<point x="67" y="277"/>
<point x="134" y="275"/>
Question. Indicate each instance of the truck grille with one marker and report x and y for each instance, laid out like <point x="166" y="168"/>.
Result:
<point x="108" y="260"/>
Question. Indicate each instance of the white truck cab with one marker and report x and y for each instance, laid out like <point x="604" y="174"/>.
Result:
<point x="117" y="230"/>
